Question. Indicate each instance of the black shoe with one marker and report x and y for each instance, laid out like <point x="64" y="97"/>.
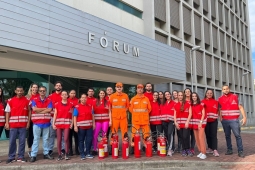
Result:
<point x="143" y="149"/>
<point x="70" y="153"/>
<point x="50" y="152"/>
<point x="32" y="159"/>
<point x="240" y="154"/>
<point x="67" y="157"/>
<point x="94" y="153"/>
<point x="47" y="156"/>
<point x="59" y="157"/>
<point x="63" y="151"/>
<point x="10" y="161"/>
<point x="229" y="152"/>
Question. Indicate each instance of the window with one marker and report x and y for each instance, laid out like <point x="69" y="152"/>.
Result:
<point x="125" y="7"/>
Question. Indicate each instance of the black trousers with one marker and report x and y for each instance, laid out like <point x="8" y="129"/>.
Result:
<point x="179" y="140"/>
<point x="185" y="138"/>
<point x="30" y="137"/>
<point x="168" y="128"/>
<point x="154" y="130"/>
<point x="192" y="139"/>
<point x="211" y="134"/>
<point x="71" y="134"/>
<point x="173" y="143"/>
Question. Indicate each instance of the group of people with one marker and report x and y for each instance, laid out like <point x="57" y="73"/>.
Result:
<point x="63" y="115"/>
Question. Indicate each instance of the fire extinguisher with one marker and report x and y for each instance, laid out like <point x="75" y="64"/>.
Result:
<point x="115" y="150"/>
<point x="125" y="147"/>
<point x="137" y="144"/>
<point x="148" y="145"/>
<point x="162" y="145"/>
<point x="101" y="149"/>
<point x="105" y="144"/>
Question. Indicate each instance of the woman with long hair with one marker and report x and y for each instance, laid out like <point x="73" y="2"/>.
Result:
<point x="212" y="112"/>
<point x="187" y="96"/>
<point x="2" y="113"/>
<point x="161" y="96"/>
<point x="63" y="122"/>
<point x="102" y="118"/>
<point x="182" y="116"/>
<point x="72" y="98"/>
<point x="155" y="119"/>
<point x="199" y="123"/>
<point x="84" y="124"/>
<point x="31" y="95"/>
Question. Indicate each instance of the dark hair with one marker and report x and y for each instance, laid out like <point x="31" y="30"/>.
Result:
<point x="183" y="100"/>
<point x="158" y="101"/>
<point x="164" y="98"/>
<point x="81" y="95"/>
<point x="65" y="91"/>
<point x="98" y="99"/>
<point x="90" y="88"/>
<point x="2" y="97"/>
<point x="185" y="95"/>
<point x="198" y="99"/>
<point x="150" y="84"/>
<point x="53" y="91"/>
<point x="43" y="87"/>
<point x="19" y="87"/>
<point x="60" y="82"/>
<point x="174" y="91"/>
<point x="212" y="93"/>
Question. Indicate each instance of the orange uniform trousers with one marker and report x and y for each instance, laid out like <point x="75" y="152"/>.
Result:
<point x="120" y="123"/>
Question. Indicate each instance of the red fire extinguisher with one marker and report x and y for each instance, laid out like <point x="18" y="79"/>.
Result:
<point x="115" y="150"/>
<point x="161" y="141"/>
<point x="125" y="147"/>
<point x="101" y="149"/>
<point x="137" y="144"/>
<point x="148" y="146"/>
<point x="105" y="144"/>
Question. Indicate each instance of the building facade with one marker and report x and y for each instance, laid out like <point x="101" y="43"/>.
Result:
<point x="219" y="27"/>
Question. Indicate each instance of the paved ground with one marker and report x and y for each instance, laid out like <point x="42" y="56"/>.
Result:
<point x="155" y="162"/>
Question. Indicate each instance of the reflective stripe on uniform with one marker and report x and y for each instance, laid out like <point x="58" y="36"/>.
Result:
<point x="84" y="123"/>
<point x="212" y="115"/>
<point x="230" y="112"/>
<point x="140" y="110"/>
<point x="118" y="107"/>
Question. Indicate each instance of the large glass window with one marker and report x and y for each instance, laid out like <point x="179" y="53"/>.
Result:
<point x="125" y="7"/>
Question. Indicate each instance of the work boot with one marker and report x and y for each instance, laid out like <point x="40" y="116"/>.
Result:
<point x="229" y="152"/>
<point x="240" y="154"/>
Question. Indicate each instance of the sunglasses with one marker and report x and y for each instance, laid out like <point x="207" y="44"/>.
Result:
<point x="42" y="91"/>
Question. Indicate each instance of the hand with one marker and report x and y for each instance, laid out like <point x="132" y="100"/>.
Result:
<point x="71" y="126"/>
<point x="177" y="126"/>
<point x="54" y="127"/>
<point x="244" y="120"/>
<point x="110" y="123"/>
<point x="28" y="124"/>
<point x="199" y="125"/>
<point x="76" y="129"/>
<point x="7" y="126"/>
<point x="187" y="125"/>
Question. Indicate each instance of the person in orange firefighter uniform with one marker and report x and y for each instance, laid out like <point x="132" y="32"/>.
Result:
<point x="118" y="106"/>
<point x="140" y="108"/>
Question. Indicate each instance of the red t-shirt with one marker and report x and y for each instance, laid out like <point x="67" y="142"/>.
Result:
<point x="149" y="96"/>
<point x="55" y="97"/>
<point x="197" y="115"/>
<point x="74" y="100"/>
<point x="211" y="109"/>
<point x="91" y="101"/>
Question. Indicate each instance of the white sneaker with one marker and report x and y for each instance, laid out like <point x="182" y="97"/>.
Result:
<point x="203" y="156"/>
<point x="169" y="153"/>
<point x="199" y="155"/>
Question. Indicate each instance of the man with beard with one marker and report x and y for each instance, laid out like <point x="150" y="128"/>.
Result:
<point x="148" y="92"/>
<point x="91" y="100"/>
<point x="229" y="116"/>
<point x="55" y="97"/>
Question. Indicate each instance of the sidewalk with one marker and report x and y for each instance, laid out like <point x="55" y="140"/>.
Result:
<point x="155" y="162"/>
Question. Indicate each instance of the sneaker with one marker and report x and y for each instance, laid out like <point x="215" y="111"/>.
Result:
<point x="209" y="150"/>
<point x="59" y="157"/>
<point x="67" y="157"/>
<point x="240" y="154"/>
<point x="184" y="153"/>
<point x="189" y="152"/>
<point x="215" y="153"/>
<point x="47" y="156"/>
<point x="169" y="153"/>
<point x="199" y="155"/>
<point x="192" y="151"/>
<point x="10" y="161"/>
<point x="32" y="159"/>
<point x="203" y="156"/>
<point x="21" y="160"/>
<point x="229" y="152"/>
<point x="50" y="152"/>
<point x="83" y="158"/>
<point x="94" y="153"/>
<point x="29" y="154"/>
<point x="63" y="151"/>
<point x="89" y="156"/>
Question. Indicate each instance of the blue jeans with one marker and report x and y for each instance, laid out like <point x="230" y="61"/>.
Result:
<point x="45" y="136"/>
<point x="233" y="125"/>
<point x="22" y="132"/>
<point x="85" y="135"/>
<point x="52" y="138"/>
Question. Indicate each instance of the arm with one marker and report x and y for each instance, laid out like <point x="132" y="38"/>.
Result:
<point x="7" y="116"/>
<point x="127" y="103"/>
<point x="29" y="116"/>
<point x="202" y="119"/>
<point x="93" y="122"/>
<point x="131" y="106"/>
<point x="110" y="115"/>
<point x="149" y="106"/>
<point x="189" y="117"/>
<point x="175" y="121"/>
<point x="75" y="114"/>
<point x="54" y="119"/>
<point x="71" y="126"/>
<point x="244" y="120"/>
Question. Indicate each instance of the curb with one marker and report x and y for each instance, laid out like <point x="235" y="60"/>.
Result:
<point x="136" y="165"/>
<point x="242" y="128"/>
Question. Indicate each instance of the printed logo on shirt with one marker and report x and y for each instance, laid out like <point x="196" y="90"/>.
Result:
<point x="123" y="100"/>
<point x="186" y="110"/>
<point x="145" y="102"/>
<point x="135" y="102"/>
<point x="214" y="106"/>
<point x="25" y="108"/>
<point x="233" y="102"/>
<point x="115" y="100"/>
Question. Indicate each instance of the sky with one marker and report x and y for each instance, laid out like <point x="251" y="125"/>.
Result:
<point x="252" y="29"/>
